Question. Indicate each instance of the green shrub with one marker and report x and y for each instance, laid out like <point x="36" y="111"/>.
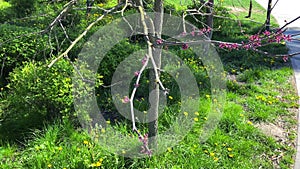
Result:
<point x="16" y="47"/>
<point x="35" y="94"/>
<point x="23" y="8"/>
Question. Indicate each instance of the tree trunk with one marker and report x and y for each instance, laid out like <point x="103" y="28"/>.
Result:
<point x="250" y="10"/>
<point x="154" y="86"/>
<point x="268" y="15"/>
<point x="210" y="17"/>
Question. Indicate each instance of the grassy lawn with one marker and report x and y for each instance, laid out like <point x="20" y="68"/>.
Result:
<point x="260" y="98"/>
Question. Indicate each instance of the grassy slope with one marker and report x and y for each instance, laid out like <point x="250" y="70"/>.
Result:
<point x="258" y="92"/>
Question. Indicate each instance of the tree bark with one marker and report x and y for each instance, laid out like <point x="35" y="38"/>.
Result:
<point x="268" y="15"/>
<point x="210" y="17"/>
<point x="154" y="86"/>
<point x="250" y="10"/>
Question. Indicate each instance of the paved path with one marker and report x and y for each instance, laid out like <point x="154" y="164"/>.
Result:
<point x="287" y="10"/>
<point x="284" y="10"/>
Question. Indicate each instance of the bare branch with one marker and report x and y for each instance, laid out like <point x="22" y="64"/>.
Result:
<point x="288" y="23"/>
<point x="65" y="54"/>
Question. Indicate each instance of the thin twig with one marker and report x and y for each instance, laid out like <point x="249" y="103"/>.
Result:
<point x="65" y="53"/>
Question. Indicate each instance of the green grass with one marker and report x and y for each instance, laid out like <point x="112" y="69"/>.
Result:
<point x="260" y="90"/>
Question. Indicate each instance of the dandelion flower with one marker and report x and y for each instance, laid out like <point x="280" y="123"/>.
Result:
<point x="231" y="155"/>
<point x="170" y="97"/>
<point x="196" y="119"/>
<point x="186" y="113"/>
<point x="250" y="123"/>
<point x="60" y="148"/>
<point x="229" y="149"/>
<point x="49" y="165"/>
<point x="212" y="154"/>
<point x="196" y="113"/>
<point x="98" y="164"/>
<point x="85" y="142"/>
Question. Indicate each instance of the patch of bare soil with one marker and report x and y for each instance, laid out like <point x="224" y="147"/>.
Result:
<point x="272" y="130"/>
<point x="283" y="130"/>
<point x="239" y="10"/>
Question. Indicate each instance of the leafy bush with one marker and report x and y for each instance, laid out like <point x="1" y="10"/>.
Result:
<point x="35" y="94"/>
<point x="16" y="47"/>
<point x="23" y="7"/>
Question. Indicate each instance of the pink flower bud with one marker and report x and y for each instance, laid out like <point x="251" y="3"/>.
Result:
<point x="159" y="41"/>
<point x="136" y="85"/>
<point x="125" y="99"/>
<point x="144" y="60"/>
<point x="193" y="33"/>
<point x="285" y="58"/>
<point x="136" y="73"/>
<point x="267" y="33"/>
<point x="185" y="46"/>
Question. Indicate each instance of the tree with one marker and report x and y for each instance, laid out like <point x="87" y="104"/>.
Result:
<point x="250" y="10"/>
<point x="155" y="42"/>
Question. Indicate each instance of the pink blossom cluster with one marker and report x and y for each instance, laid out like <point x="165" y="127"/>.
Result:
<point x="197" y="32"/>
<point x="229" y="46"/>
<point x="256" y="41"/>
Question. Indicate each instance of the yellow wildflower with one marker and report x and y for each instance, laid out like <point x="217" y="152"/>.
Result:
<point x="170" y="97"/>
<point x="185" y="113"/>
<point x="229" y="149"/>
<point x="98" y="164"/>
<point x="85" y="142"/>
<point x="196" y="119"/>
<point x="196" y="113"/>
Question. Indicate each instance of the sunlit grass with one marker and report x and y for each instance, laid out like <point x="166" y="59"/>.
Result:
<point x="260" y="90"/>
